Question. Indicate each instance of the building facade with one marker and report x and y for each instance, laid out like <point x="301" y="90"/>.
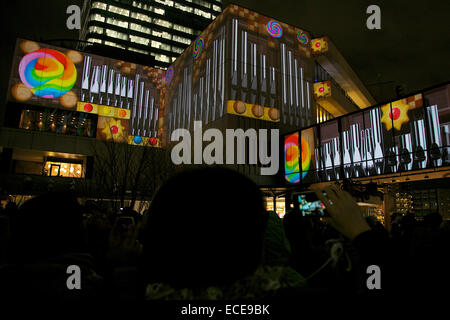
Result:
<point x="162" y="28"/>
<point x="251" y="72"/>
<point x="243" y="71"/>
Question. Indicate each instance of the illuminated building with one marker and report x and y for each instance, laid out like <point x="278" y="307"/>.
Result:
<point x="162" y="28"/>
<point x="249" y="71"/>
<point x="243" y="71"/>
<point x="65" y="105"/>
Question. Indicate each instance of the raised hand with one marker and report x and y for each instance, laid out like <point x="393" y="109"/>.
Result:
<point x="345" y="214"/>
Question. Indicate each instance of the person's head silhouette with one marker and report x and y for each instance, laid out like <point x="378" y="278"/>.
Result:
<point x="205" y="227"/>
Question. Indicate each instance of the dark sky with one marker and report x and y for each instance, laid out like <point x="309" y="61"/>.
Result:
<point x="412" y="47"/>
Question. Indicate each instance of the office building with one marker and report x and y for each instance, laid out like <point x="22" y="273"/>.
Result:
<point x="162" y="28"/>
<point x="243" y="71"/>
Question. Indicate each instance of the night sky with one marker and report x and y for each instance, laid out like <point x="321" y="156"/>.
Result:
<point x="412" y="48"/>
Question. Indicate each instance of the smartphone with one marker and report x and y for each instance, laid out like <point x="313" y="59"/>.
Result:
<point x="310" y="205"/>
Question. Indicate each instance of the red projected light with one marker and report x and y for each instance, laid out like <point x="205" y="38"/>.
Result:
<point x="114" y="129"/>
<point x="395" y="114"/>
<point x="88" y="107"/>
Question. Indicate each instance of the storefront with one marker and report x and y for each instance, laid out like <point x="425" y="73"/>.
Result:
<point x="279" y="203"/>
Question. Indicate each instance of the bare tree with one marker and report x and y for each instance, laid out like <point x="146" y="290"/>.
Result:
<point x="124" y="173"/>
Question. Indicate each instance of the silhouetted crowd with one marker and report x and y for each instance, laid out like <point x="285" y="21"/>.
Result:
<point x="207" y="236"/>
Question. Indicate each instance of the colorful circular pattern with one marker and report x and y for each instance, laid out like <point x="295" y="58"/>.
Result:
<point x="48" y="73"/>
<point x="302" y="37"/>
<point x="306" y="156"/>
<point x="274" y="29"/>
<point x="88" y="107"/>
<point x="137" y="140"/>
<point x="198" y="47"/>
<point x="169" y="75"/>
<point x="291" y="159"/>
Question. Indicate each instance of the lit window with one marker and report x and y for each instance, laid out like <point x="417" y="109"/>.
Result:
<point x="202" y="3"/>
<point x="202" y="13"/>
<point x="138" y="50"/>
<point x="162" y="23"/>
<point x="95" y="29"/>
<point x="184" y="8"/>
<point x="216" y="8"/>
<point x="168" y="3"/>
<point x="140" y="40"/>
<point x="99" y="5"/>
<point x="181" y="39"/>
<point x="177" y="50"/>
<point x="93" y="40"/>
<point x="138" y="27"/>
<point x="112" y="44"/>
<point x="97" y="17"/>
<point x="165" y="47"/>
<point x="162" y="34"/>
<point x="116" y="34"/>
<point x="118" y="10"/>
<point x="162" y="58"/>
<point x="141" y="17"/>
<point x="183" y="29"/>
<point x="156" y="33"/>
<point x="117" y="22"/>
<point x="159" y="11"/>
<point x="156" y="44"/>
<point x="63" y="169"/>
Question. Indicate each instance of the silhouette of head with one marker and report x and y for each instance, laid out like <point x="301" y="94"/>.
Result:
<point x="205" y="227"/>
<point x="48" y="225"/>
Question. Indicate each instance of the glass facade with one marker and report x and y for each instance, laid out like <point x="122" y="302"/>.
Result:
<point x="55" y="168"/>
<point x="401" y="136"/>
<point x="162" y="28"/>
<point x="58" y="121"/>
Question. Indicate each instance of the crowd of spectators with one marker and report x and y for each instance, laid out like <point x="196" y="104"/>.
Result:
<point x="208" y="236"/>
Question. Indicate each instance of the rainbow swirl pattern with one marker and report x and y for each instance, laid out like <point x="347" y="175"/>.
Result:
<point x="291" y="158"/>
<point x="169" y="75"/>
<point x="198" y="47"/>
<point x="306" y="157"/>
<point x="48" y="73"/>
<point x="274" y="29"/>
<point x="302" y="37"/>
